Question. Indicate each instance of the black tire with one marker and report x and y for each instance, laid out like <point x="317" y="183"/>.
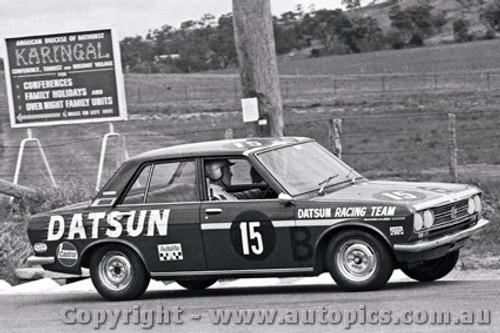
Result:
<point x="118" y="273"/>
<point x="196" y="284"/>
<point x="433" y="269"/>
<point x="359" y="261"/>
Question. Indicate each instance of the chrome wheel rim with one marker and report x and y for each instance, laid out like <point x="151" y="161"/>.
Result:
<point x="115" y="271"/>
<point x="356" y="260"/>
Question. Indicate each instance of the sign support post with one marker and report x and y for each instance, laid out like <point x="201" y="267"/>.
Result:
<point x="30" y="138"/>
<point x="111" y="133"/>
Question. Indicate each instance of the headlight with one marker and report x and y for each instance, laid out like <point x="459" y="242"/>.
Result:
<point x="477" y="203"/>
<point x="471" y="207"/>
<point x="428" y="219"/>
<point x="418" y="222"/>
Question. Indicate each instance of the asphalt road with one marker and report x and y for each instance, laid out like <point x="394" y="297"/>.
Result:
<point x="311" y="308"/>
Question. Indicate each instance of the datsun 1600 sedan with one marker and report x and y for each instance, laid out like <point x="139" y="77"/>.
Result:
<point x="297" y="210"/>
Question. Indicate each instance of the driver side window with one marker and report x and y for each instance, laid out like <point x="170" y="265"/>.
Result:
<point x="240" y="180"/>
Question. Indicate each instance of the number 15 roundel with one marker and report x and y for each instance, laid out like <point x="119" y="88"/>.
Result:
<point x="252" y="235"/>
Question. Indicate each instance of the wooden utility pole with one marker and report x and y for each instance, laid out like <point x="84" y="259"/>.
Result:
<point x="334" y="131"/>
<point x="452" y="128"/>
<point x="253" y="30"/>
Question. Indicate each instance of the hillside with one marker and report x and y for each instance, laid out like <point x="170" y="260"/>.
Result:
<point x="454" y="9"/>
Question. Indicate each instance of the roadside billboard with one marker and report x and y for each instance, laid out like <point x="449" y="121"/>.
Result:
<point x="64" y="78"/>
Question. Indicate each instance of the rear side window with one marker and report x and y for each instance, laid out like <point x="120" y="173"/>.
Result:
<point x="168" y="182"/>
<point x="137" y="192"/>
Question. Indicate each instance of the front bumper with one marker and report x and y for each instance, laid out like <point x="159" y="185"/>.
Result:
<point x="434" y="248"/>
<point x="35" y="260"/>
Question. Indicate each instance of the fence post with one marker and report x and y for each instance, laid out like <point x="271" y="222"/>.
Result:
<point x="383" y="83"/>
<point x="488" y="80"/>
<point x="236" y="97"/>
<point x="435" y="81"/>
<point x="334" y="131"/>
<point x="452" y="127"/>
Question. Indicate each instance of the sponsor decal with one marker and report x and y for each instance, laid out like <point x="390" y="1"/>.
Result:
<point x="40" y="247"/>
<point x="383" y="210"/>
<point x="66" y="254"/>
<point x="170" y="252"/>
<point x="355" y="211"/>
<point x="253" y="235"/>
<point x="114" y="224"/>
<point x="350" y="212"/>
<point x="397" y="231"/>
<point x="314" y="213"/>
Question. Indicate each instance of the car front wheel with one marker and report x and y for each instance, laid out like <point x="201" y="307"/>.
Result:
<point x="359" y="261"/>
<point x="433" y="269"/>
<point x="118" y="273"/>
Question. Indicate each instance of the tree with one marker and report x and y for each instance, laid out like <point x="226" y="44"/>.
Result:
<point x="222" y="43"/>
<point x="439" y="20"/>
<point x="255" y="46"/>
<point x="162" y="40"/>
<point x="286" y="36"/>
<point x="193" y="54"/>
<point x="135" y="51"/>
<point x="366" y="34"/>
<point x="350" y="4"/>
<point x="331" y="28"/>
<point x="206" y="20"/>
<point x="413" y="24"/>
<point x="491" y="15"/>
<point x="461" y="31"/>
<point x="421" y="16"/>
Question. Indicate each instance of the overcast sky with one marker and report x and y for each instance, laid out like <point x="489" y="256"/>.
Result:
<point x="128" y="17"/>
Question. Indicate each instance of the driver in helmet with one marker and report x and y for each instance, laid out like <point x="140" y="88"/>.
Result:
<point x="219" y="177"/>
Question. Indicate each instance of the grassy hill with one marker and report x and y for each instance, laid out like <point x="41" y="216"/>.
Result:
<point x="454" y="9"/>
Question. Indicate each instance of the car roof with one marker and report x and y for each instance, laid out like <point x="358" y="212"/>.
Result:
<point x="220" y="147"/>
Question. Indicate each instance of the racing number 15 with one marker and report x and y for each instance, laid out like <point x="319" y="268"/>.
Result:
<point x="249" y="233"/>
<point x="399" y="195"/>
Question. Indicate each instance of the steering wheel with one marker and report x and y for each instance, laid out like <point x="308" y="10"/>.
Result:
<point x="267" y="194"/>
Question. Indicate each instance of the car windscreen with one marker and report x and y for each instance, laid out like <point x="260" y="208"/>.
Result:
<point x="305" y="167"/>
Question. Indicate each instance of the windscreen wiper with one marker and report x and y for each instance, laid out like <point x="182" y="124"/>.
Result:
<point x="322" y="184"/>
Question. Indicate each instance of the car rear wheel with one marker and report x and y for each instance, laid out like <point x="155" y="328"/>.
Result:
<point x="433" y="269"/>
<point x="118" y="273"/>
<point x="359" y="261"/>
<point x="196" y="284"/>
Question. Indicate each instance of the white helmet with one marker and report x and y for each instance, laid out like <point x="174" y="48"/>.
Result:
<point x="213" y="169"/>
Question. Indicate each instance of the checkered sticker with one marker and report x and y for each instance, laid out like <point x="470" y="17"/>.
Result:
<point x="170" y="252"/>
<point x="397" y="231"/>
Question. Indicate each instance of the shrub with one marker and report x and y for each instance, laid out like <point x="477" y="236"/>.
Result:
<point x="490" y="34"/>
<point x="15" y="247"/>
<point x="461" y="31"/>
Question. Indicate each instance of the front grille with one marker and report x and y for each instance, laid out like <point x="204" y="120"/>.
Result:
<point x="450" y="213"/>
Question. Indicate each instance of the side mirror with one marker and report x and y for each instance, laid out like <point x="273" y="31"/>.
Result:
<point x="285" y="199"/>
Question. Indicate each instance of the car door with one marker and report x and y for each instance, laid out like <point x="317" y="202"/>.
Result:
<point x="161" y="215"/>
<point x="248" y="234"/>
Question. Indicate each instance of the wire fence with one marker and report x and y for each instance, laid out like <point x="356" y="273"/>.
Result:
<point x="392" y="143"/>
<point x="224" y="91"/>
